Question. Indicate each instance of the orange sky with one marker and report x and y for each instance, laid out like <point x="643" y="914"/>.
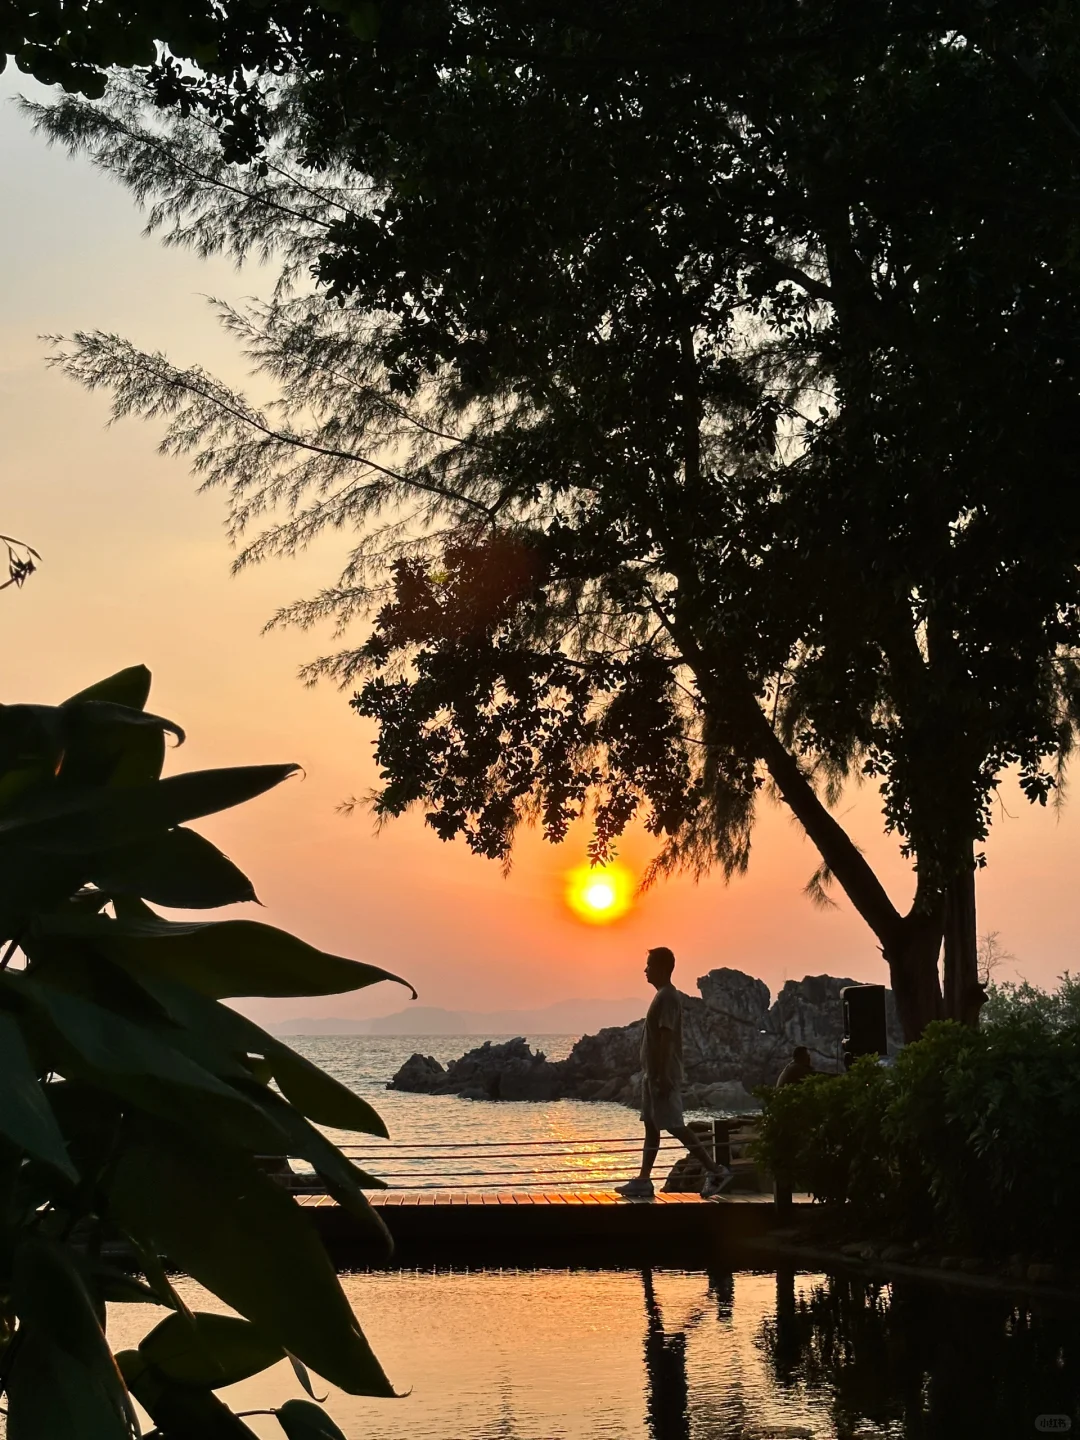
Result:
<point x="136" y="569"/>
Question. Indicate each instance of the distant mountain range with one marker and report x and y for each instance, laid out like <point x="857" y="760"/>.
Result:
<point x="565" y="1017"/>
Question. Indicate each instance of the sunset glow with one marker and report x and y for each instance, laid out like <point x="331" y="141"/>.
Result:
<point x="600" y="894"/>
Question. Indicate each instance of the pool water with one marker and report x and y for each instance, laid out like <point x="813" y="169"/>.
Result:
<point x="683" y="1355"/>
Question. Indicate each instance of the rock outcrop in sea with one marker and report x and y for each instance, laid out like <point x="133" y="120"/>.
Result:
<point x="735" y="1036"/>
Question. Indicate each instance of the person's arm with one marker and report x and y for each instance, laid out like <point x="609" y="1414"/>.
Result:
<point x="659" y="1069"/>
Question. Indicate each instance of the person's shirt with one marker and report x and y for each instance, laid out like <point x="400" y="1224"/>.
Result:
<point x="793" y="1071"/>
<point x="665" y="1013"/>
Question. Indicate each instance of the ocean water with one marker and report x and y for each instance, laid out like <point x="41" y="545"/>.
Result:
<point x="443" y="1141"/>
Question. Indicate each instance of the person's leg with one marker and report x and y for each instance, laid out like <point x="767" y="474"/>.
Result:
<point x="649" y="1150"/>
<point x="697" y="1149"/>
<point x="641" y="1187"/>
<point x="717" y="1177"/>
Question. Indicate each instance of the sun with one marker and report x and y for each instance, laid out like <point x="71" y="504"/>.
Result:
<point x="599" y="894"/>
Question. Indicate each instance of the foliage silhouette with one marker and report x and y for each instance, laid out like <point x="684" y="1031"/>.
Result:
<point x="959" y="1142"/>
<point x="720" y="456"/>
<point x="135" y="1104"/>
<point x="21" y="561"/>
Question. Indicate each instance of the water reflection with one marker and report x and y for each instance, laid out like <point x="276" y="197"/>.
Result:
<point x="667" y="1412"/>
<point x="682" y="1355"/>
<point x="923" y="1362"/>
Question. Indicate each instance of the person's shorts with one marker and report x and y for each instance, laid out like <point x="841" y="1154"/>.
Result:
<point x="662" y="1111"/>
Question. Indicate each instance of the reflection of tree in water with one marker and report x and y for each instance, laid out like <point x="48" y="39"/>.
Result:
<point x="942" y="1364"/>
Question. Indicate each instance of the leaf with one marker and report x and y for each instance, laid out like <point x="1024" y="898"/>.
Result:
<point x="179" y="868"/>
<point x="112" y="745"/>
<point x="216" y="1036"/>
<point x="301" y="1420"/>
<point x="222" y="958"/>
<point x="64" y="1383"/>
<point x="140" y="1065"/>
<point x="179" y="1411"/>
<point x="25" y="1116"/>
<point x="116" y="1287"/>
<point x="345" y="1181"/>
<point x="127" y="687"/>
<point x="301" y="1372"/>
<point x="209" y="1350"/>
<point x="318" y="1095"/>
<point x="217" y="1216"/>
<point x="101" y="819"/>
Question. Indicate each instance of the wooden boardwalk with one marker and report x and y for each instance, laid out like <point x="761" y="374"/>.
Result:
<point x="527" y="1226"/>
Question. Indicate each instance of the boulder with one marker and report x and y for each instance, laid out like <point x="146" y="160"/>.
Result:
<point x="507" y="1071"/>
<point x="421" y="1073"/>
<point x="730" y="1096"/>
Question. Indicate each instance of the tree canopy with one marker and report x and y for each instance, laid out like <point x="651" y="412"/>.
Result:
<point x="706" y="418"/>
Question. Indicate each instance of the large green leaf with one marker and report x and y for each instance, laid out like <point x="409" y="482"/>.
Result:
<point x="25" y="1116"/>
<point x="180" y="1412"/>
<point x="139" y="1064"/>
<point x="112" y="745"/>
<point x="64" y="1383"/>
<point x="100" y="819"/>
<point x="127" y="687"/>
<point x="301" y="1420"/>
<point x="234" y="1047"/>
<point x="345" y="1181"/>
<point x="217" y="1216"/>
<point x="177" y="868"/>
<point x="223" y="958"/>
<point x="209" y="1350"/>
<point x="318" y="1095"/>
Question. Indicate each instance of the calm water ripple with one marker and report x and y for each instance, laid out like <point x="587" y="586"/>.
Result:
<point x="633" y="1355"/>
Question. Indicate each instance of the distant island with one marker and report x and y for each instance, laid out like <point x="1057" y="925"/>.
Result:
<point x="565" y="1017"/>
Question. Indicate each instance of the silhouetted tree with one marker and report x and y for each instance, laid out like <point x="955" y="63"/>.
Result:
<point x="724" y="449"/>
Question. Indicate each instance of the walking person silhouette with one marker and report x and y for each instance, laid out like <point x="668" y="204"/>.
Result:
<point x="661" y="1083"/>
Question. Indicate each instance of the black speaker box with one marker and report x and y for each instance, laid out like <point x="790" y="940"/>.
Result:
<point x="864" y="1021"/>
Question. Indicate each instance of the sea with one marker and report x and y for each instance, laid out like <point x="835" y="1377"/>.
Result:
<point x="596" y="1353"/>
<point x="445" y="1142"/>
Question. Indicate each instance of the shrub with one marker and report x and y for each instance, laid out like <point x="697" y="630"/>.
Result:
<point x="968" y="1138"/>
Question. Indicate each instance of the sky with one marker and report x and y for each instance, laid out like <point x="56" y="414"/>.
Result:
<point x="136" y="569"/>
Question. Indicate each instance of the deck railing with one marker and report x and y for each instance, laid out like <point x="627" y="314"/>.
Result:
<point x="558" y="1163"/>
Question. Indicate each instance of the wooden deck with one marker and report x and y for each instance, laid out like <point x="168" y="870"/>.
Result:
<point x="534" y="1226"/>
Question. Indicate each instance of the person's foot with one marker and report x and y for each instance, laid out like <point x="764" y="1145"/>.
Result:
<point x="716" y="1183"/>
<point x="636" y="1189"/>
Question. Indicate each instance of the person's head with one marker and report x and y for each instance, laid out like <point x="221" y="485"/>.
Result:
<point x="801" y="1055"/>
<point x="659" y="964"/>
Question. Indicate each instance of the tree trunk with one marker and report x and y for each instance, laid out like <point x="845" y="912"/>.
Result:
<point x="912" y="956"/>
<point x="964" y="995"/>
<point x="911" y="944"/>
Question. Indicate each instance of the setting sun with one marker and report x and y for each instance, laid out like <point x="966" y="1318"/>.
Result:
<point x="599" y="894"/>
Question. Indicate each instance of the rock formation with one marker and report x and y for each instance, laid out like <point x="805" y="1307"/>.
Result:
<point x="508" y="1071"/>
<point x="734" y="1038"/>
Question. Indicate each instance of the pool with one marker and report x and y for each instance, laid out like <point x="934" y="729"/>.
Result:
<point x="684" y="1355"/>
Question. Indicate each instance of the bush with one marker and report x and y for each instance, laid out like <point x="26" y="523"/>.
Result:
<point x="967" y="1139"/>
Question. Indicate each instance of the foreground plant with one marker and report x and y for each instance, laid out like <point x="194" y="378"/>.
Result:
<point x="134" y="1105"/>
